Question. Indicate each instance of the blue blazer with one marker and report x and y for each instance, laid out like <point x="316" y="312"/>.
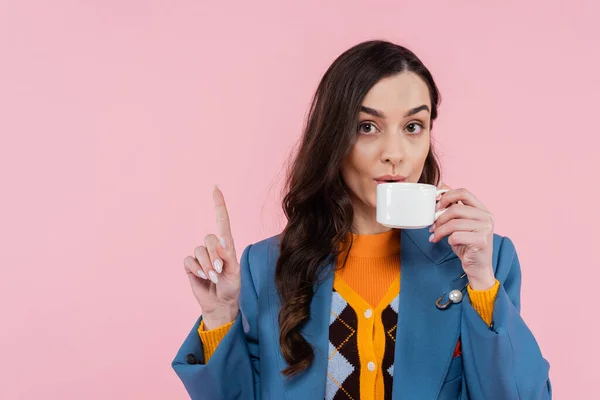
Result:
<point x="501" y="362"/>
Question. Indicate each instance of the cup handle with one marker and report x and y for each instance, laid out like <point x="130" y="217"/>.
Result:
<point x="440" y="212"/>
<point x="440" y="191"/>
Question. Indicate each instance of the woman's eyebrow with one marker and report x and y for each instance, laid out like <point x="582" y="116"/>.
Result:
<point x="372" y="111"/>
<point x="415" y="110"/>
<point x="379" y="114"/>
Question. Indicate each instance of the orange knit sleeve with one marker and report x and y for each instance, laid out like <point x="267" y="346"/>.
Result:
<point x="483" y="301"/>
<point x="211" y="338"/>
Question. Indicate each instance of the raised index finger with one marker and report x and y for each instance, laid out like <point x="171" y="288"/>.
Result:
<point x="223" y="225"/>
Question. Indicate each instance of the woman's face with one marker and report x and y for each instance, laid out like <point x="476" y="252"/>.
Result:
<point x="393" y="137"/>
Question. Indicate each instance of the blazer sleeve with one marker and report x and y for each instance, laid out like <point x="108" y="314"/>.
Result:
<point x="237" y="355"/>
<point x="503" y="361"/>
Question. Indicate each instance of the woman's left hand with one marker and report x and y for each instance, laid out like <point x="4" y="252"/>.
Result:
<point x="470" y="230"/>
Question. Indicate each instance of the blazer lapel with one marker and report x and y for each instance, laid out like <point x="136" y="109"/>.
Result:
<point x="310" y="384"/>
<point x="425" y="336"/>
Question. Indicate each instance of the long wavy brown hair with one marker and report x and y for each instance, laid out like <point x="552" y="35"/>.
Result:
<point x="316" y="201"/>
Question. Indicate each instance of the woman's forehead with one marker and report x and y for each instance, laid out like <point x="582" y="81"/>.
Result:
<point x="398" y="94"/>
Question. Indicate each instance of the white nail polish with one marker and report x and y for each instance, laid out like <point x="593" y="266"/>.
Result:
<point x="213" y="276"/>
<point x="201" y="274"/>
<point x="431" y="238"/>
<point x="218" y="264"/>
<point x="222" y="243"/>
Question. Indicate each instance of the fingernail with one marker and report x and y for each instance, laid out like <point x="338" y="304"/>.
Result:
<point x="218" y="264"/>
<point x="431" y="228"/>
<point x="201" y="274"/>
<point x="216" y="186"/>
<point x="222" y="243"/>
<point x="213" y="276"/>
<point x="431" y="238"/>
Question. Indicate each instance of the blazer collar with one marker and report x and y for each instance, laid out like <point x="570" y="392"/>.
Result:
<point x="437" y="253"/>
<point x="425" y="336"/>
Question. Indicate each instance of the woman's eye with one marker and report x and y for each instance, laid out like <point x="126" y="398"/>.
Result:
<point x="367" y="128"/>
<point x="414" y="128"/>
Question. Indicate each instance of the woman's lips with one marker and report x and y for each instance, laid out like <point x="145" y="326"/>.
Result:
<point x="390" y="179"/>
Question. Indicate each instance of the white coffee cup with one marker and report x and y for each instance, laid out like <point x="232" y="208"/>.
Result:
<point x="406" y="205"/>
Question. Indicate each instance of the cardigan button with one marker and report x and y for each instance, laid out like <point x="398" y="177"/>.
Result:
<point x="371" y="366"/>
<point x="368" y="313"/>
<point x="191" y="359"/>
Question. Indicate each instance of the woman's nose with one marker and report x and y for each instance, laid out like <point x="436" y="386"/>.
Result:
<point x="392" y="151"/>
<point x="393" y="159"/>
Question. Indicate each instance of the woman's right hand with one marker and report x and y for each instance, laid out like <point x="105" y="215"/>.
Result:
<point x="214" y="271"/>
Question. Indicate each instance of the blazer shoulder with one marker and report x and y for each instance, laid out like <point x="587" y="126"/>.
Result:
<point x="259" y="252"/>
<point x="505" y="257"/>
<point x="503" y="245"/>
<point x="260" y="258"/>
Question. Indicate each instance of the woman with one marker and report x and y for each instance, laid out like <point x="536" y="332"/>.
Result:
<point x="340" y="307"/>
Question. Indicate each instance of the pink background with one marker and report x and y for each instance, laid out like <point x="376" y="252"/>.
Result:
<point x="117" y="117"/>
